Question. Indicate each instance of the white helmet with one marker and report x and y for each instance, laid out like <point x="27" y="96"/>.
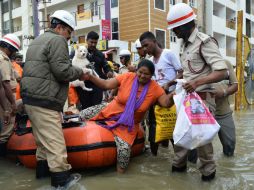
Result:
<point x="13" y="40"/>
<point x="138" y="44"/>
<point x="180" y="14"/>
<point x="124" y="52"/>
<point x="66" y="17"/>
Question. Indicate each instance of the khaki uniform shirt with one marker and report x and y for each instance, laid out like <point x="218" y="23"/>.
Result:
<point x="191" y="55"/>
<point x="222" y="104"/>
<point x="6" y="70"/>
<point x="140" y="59"/>
<point x="123" y="69"/>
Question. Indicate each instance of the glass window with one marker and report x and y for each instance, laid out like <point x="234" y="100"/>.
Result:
<point x="159" y="4"/>
<point x="115" y="29"/>
<point x="6" y="27"/>
<point x="172" y="2"/>
<point x="5" y="7"/>
<point x="16" y="4"/>
<point x="160" y="37"/>
<point x="80" y="8"/>
<point x="172" y="36"/>
<point x="82" y="39"/>
<point x="192" y="3"/>
<point x="248" y="2"/>
<point x="248" y="28"/>
<point x="114" y="3"/>
<point x="94" y="8"/>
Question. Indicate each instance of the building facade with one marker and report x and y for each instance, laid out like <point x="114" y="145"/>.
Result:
<point x="16" y="17"/>
<point x="138" y="16"/>
<point x="221" y="16"/>
<point x="120" y="22"/>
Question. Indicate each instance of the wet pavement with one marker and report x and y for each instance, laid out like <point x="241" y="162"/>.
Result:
<point x="147" y="172"/>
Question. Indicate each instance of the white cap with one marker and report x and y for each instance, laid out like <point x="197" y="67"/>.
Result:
<point x="124" y="52"/>
<point x="180" y="14"/>
<point x="66" y="17"/>
<point x="12" y="39"/>
<point x="138" y="44"/>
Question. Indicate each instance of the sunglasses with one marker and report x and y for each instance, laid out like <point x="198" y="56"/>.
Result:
<point x="121" y="57"/>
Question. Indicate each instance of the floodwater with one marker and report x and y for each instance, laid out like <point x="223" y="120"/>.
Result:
<point x="147" y="172"/>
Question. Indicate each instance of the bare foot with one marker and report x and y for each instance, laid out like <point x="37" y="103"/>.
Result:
<point x="120" y="170"/>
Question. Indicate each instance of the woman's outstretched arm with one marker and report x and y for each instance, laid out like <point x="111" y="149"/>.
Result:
<point x="104" y="84"/>
<point x="166" y="100"/>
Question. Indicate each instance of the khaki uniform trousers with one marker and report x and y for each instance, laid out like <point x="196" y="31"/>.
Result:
<point x="7" y="130"/>
<point x="48" y="134"/>
<point x="205" y="153"/>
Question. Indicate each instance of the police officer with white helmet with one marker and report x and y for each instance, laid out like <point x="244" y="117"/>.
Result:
<point x="202" y="65"/>
<point x="9" y="45"/>
<point x="125" y="59"/>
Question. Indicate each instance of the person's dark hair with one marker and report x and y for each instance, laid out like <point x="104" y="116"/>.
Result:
<point x="18" y="55"/>
<point x="147" y="63"/>
<point x="8" y="46"/>
<point x="127" y="58"/>
<point x="54" y="22"/>
<point x="92" y="35"/>
<point x="147" y="35"/>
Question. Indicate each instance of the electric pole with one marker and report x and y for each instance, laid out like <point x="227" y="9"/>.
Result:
<point x="36" y="26"/>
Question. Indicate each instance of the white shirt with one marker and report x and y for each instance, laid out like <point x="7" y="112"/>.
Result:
<point x="166" y="68"/>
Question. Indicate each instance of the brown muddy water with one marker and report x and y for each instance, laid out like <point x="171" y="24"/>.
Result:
<point x="147" y="172"/>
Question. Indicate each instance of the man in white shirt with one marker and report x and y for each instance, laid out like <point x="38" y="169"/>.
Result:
<point x="167" y="65"/>
<point x="167" y="69"/>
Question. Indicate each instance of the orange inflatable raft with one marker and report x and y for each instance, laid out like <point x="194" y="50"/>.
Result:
<point x="88" y="145"/>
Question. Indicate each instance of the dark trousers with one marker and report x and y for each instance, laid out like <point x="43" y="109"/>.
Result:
<point x="89" y="98"/>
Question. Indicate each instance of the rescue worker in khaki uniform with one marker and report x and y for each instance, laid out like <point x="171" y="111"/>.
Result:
<point x="141" y="52"/>
<point x="44" y="89"/>
<point x="9" y="45"/>
<point x="125" y="59"/>
<point x="199" y="74"/>
<point x="223" y="114"/>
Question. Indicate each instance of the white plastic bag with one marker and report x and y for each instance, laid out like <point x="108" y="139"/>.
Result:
<point x="195" y="125"/>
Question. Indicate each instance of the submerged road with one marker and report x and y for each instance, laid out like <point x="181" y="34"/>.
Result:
<point x="147" y="172"/>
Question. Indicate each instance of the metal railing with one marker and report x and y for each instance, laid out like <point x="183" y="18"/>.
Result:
<point x="17" y="28"/>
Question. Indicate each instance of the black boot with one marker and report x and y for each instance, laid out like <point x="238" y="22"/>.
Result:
<point x="64" y="179"/>
<point x="181" y="169"/>
<point x="209" y="177"/>
<point x="42" y="169"/>
<point x="3" y="149"/>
